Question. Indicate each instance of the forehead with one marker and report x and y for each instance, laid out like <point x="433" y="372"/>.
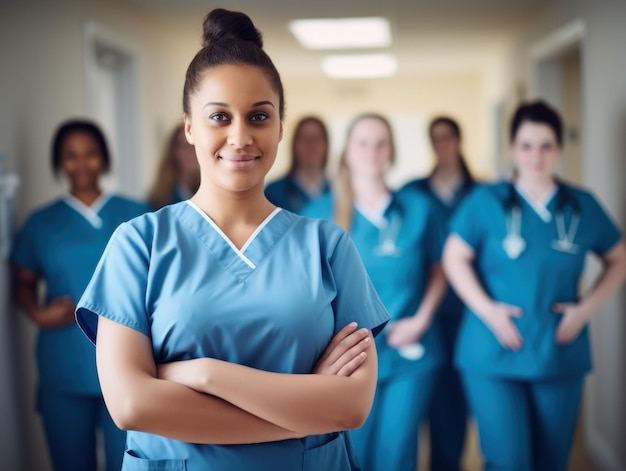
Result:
<point x="534" y="131"/>
<point x="235" y="84"/>
<point x="370" y="128"/>
<point x="78" y="137"/>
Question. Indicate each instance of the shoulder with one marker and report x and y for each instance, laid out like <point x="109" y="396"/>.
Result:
<point x="46" y="213"/>
<point x="278" y="183"/>
<point x="420" y="184"/>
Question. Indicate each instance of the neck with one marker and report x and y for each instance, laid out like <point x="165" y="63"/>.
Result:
<point x="231" y="209"/>
<point x="536" y="188"/>
<point x="86" y="196"/>
<point x="369" y="192"/>
<point x="448" y="174"/>
<point x="313" y="175"/>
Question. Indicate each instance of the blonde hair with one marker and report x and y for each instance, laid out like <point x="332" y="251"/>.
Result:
<point x="343" y="211"/>
<point x="166" y="179"/>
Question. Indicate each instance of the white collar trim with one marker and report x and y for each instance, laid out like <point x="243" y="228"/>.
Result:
<point x="90" y="213"/>
<point x="540" y="206"/>
<point x="240" y="253"/>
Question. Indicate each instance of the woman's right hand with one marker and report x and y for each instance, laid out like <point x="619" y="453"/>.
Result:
<point x="498" y="319"/>
<point x="58" y="313"/>
<point x="345" y="352"/>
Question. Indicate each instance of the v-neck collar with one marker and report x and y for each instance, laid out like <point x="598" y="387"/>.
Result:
<point x="240" y="253"/>
<point x="540" y="207"/>
<point x="90" y="213"/>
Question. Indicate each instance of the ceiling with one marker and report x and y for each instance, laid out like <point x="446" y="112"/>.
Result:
<point x="427" y="34"/>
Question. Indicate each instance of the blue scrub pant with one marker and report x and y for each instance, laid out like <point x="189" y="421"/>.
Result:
<point x="388" y="439"/>
<point x="525" y="425"/>
<point x="70" y="422"/>
<point x="448" y="411"/>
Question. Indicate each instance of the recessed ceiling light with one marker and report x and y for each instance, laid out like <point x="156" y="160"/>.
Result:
<point x="342" y="33"/>
<point x="360" y="66"/>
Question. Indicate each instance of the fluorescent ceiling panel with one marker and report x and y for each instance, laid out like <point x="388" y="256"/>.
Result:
<point x="342" y="33"/>
<point x="360" y="66"/>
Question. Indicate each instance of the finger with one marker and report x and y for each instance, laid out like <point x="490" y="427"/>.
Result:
<point x="345" y="345"/>
<point x="514" y="311"/>
<point x="338" y="338"/>
<point x="352" y="365"/>
<point x="560" y="308"/>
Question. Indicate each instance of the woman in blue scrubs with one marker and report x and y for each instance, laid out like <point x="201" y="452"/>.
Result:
<point x="306" y="180"/>
<point x="446" y="187"/>
<point x="225" y="326"/>
<point x="59" y="246"/>
<point x="515" y="257"/>
<point x="400" y="244"/>
<point x="178" y="175"/>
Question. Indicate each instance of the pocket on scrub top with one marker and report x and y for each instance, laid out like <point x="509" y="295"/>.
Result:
<point x="133" y="463"/>
<point x="331" y="456"/>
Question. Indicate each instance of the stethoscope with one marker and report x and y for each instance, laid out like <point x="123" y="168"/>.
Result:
<point x="514" y="244"/>
<point x="388" y="235"/>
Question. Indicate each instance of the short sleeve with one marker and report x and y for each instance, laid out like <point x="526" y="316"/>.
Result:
<point x="466" y="221"/>
<point x="357" y="300"/>
<point x="605" y="232"/>
<point x="24" y="252"/>
<point x="117" y="290"/>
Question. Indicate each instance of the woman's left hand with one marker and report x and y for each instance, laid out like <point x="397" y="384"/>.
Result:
<point x="406" y="331"/>
<point x="572" y="322"/>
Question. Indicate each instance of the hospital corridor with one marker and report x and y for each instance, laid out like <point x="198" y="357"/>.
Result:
<point x="448" y="174"/>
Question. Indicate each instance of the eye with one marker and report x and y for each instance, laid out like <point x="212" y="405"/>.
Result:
<point x="259" y="117"/>
<point x="219" y="117"/>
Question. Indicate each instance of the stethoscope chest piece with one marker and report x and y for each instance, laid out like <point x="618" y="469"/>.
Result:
<point x="513" y="245"/>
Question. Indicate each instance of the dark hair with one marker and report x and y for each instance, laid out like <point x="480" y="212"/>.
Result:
<point x="230" y="37"/>
<point x="537" y="112"/>
<point x="456" y="130"/>
<point x="79" y="126"/>
<point x="301" y="123"/>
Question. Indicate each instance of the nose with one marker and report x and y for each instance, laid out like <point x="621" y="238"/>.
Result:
<point x="239" y="135"/>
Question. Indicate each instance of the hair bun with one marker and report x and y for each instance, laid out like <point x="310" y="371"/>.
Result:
<point x="221" y="24"/>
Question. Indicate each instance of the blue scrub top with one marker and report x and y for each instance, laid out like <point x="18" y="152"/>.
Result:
<point x="274" y="305"/>
<point x="62" y="243"/>
<point x="288" y="194"/>
<point x="451" y="307"/>
<point x="400" y="273"/>
<point x="538" y="278"/>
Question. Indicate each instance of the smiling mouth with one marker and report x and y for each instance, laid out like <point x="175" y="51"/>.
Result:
<point x="239" y="161"/>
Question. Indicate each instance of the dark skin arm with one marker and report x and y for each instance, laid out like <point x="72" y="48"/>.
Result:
<point x="58" y="313"/>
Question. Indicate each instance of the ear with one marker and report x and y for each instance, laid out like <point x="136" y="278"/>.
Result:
<point x="280" y="133"/>
<point x="188" y="133"/>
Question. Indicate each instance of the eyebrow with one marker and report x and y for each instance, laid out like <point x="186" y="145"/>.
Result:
<point x="225" y="105"/>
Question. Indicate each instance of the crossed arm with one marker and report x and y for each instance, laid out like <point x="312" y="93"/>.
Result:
<point x="210" y="401"/>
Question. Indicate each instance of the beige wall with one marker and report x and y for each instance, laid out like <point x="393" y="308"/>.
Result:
<point x="409" y="103"/>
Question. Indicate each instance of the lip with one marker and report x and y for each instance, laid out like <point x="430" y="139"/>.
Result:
<point x="239" y="161"/>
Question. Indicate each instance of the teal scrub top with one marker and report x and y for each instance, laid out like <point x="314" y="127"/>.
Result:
<point x="286" y="193"/>
<point x="398" y="256"/>
<point x="62" y="243"/>
<point x="451" y="307"/>
<point x="540" y="277"/>
<point x="274" y="305"/>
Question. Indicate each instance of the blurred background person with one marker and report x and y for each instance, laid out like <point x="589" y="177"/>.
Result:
<point x="515" y="256"/>
<point x="400" y="244"/>
<point x="59" y="247"/>
<point x="306" y="179"/>
<point x="178" y="174"/>
<point x="446" y="186"/>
